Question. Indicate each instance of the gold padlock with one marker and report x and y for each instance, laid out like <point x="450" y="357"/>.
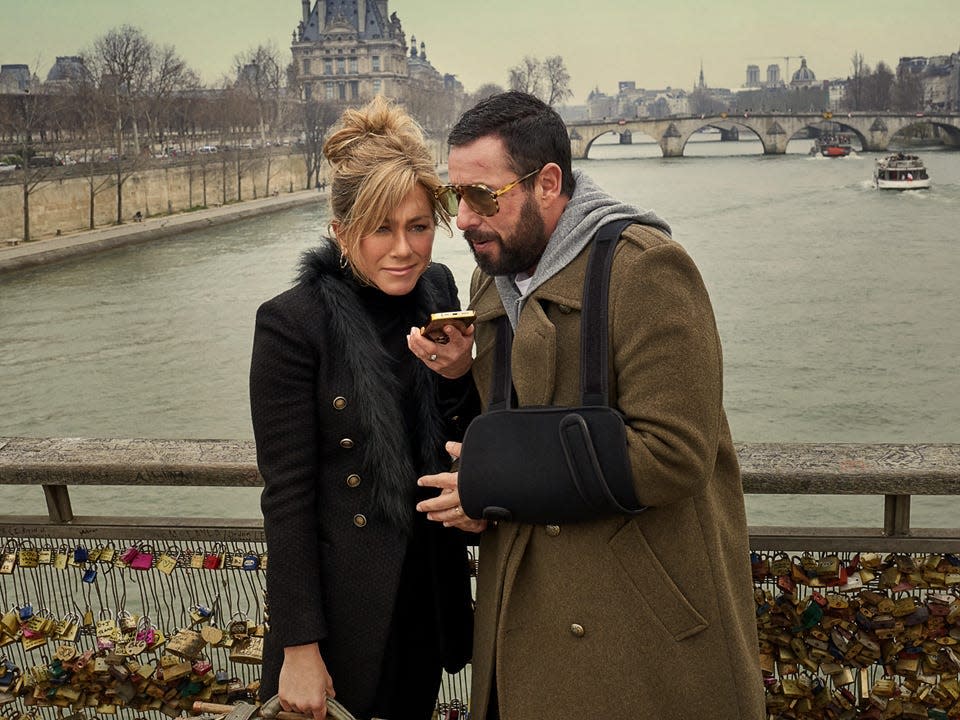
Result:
<point x="167" y="561"/>
<point x="248" y="651"/>
<point x="186" y="643"/>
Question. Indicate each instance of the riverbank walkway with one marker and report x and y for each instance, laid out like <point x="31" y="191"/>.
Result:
<point x="62" y="247"/>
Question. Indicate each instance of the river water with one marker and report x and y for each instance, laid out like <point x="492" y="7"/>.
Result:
<point x="836" y="304"/>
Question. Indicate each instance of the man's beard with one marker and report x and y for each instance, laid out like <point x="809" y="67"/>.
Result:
<point x="522" y="249"/>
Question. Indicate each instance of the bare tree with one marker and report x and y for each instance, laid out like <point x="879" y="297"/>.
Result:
<point x="482" y="93"/>
<point x="856" y="82"/>
<point x="91" y="107"/>
<point x="260" y="74"/>
<point x="122" y="60"/>
<point x="880" y="88"/>
<point x="908" y="90"/>
<point x="527" y="76"/>
<point x="318" y="116"/>
<point x="557" y="80"/>
<point x="30" y="119"/>
<point x="168" y="76"/>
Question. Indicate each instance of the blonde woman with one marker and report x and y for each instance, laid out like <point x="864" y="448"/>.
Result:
<point x="367" y="599"/>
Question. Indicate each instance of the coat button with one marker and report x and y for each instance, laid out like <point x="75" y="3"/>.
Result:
<point x="339" y="403"/>
<point x="577" y="630"/>
<point x="552" y="530"/>
<point x="346" y="443"/>
<point x="353" y="480"/>
<point x="565" y="309"/>
<point x="361" y="521"/>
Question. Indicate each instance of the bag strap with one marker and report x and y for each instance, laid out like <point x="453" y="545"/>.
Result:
<point x="594" y="332"/>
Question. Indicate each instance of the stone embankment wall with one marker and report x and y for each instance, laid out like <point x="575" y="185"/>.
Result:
<point x="61" y="202"/>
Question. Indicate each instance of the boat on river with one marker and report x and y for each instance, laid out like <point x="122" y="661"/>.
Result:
<point x="832" y="145"/>
<point x="900" y="171"/>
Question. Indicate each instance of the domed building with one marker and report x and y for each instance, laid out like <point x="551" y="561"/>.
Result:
<point x="804" y="77"/>
<point x="66" y="70"/>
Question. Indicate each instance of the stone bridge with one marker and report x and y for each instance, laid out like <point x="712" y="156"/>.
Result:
<point x="874" y="130"/>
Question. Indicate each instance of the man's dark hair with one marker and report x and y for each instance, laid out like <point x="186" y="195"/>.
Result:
<point x="531" y="130"/>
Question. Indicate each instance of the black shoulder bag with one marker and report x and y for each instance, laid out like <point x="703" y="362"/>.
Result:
<point x="553" y="464"/>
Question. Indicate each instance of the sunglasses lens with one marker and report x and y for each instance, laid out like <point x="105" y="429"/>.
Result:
<point x="480" y="200"/>
<point x="447" y="197"/>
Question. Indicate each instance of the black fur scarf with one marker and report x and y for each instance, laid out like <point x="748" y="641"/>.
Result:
<point x="392" y="459"/>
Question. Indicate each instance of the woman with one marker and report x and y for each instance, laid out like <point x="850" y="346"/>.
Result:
<point x="367" y="599"/>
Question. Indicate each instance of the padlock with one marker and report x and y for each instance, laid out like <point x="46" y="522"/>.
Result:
<point x="106" y="553"/>
<point x="250" y="562"/>
<point x="212" y="634"/>
<point x="80" y="554"/>
<point x="89" y="575"/>
<point x="61" y="558"/>
<point x="239" y="629"/>
<point x="248" y="651"/>
<point x="186" y="643"/>
<point x="27" y="555"/>
<point x="8" y="558"/>
<point x="214" y="559"/>
<point x="199" y="613"/>
<point x="177" y="671"/>
<point x="128" y="555"/>
<point x="167" y="562"/>
<point x="143" y="559"/>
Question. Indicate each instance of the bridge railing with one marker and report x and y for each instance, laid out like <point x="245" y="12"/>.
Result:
<point x="853" y="621"/>
<point x="895" y="472"/>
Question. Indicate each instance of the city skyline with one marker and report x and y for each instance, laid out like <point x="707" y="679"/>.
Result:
<point x="600" y="48"/>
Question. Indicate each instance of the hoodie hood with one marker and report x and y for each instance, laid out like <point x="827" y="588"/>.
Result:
<point x="586" y="212"/>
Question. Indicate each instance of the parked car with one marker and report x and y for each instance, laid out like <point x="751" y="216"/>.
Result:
<point x="208" y="149"/>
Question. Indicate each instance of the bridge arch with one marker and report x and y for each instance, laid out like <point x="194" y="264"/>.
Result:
<point x="775" y="130"/>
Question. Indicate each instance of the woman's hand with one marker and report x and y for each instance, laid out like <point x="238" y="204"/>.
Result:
<point x="445" y="507"/>
<point x="452" y="359"/>
<point x="305" y="683"/>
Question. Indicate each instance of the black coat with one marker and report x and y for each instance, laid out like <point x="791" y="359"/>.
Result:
<point x="340" y="475"/>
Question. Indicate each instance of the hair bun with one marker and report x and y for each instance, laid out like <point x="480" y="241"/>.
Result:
<point x="377" y="127"/>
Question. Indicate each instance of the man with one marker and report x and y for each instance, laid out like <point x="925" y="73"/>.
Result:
<point x="647" y="616"/>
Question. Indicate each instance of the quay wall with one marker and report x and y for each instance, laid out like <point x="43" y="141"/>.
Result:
<point x="60" y="203"/>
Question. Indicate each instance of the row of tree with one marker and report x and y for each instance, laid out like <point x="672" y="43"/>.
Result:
<point x="131" y="101"/>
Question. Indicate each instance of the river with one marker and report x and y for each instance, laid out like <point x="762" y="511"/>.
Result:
<point x="836" y="305"/>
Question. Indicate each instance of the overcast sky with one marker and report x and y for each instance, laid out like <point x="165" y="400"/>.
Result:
<point x="655" y="43"/>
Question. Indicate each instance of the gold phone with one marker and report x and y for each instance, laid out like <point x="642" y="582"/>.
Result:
<point x="460" y="319"/>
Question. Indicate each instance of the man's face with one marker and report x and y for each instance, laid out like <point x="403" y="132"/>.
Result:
<point x="513" y="240"/>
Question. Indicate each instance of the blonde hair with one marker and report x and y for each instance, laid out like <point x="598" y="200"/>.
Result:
<point x="378" y="156"/>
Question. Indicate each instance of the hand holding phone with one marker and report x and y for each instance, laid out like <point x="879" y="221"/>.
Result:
<point x="460" y="319"/>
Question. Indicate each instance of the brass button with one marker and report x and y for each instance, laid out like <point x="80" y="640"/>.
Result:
<point x="339" y="403"/>
<point x="553" y="530"/>
<point x="353" y="480"/>
<point x="577" y="630"/>
<point x="346" y="443"/>
<point x="361" y="521"/>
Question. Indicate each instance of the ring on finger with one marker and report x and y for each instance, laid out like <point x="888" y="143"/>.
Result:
<point x="433" y="357"/>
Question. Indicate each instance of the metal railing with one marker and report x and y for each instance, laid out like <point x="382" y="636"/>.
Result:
<point x="895" y="472"/>
<point x="866" y="627"/>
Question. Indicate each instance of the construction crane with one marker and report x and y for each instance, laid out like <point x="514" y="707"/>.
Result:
<point x="786" y="59"/>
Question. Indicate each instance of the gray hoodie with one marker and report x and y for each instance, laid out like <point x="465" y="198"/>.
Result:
<point x="588" y="210"/>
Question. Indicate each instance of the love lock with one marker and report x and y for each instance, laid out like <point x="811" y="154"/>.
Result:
<point x="270" y="710"/>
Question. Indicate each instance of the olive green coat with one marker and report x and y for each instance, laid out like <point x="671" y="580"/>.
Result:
<point x="626" y="618"/>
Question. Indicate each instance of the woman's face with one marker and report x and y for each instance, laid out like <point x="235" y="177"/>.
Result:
<point x="396" y="254"/>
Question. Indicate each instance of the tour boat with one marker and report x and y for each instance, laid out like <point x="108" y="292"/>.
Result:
<point x="900" y="172"/>
<point x="832" y="145"/>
